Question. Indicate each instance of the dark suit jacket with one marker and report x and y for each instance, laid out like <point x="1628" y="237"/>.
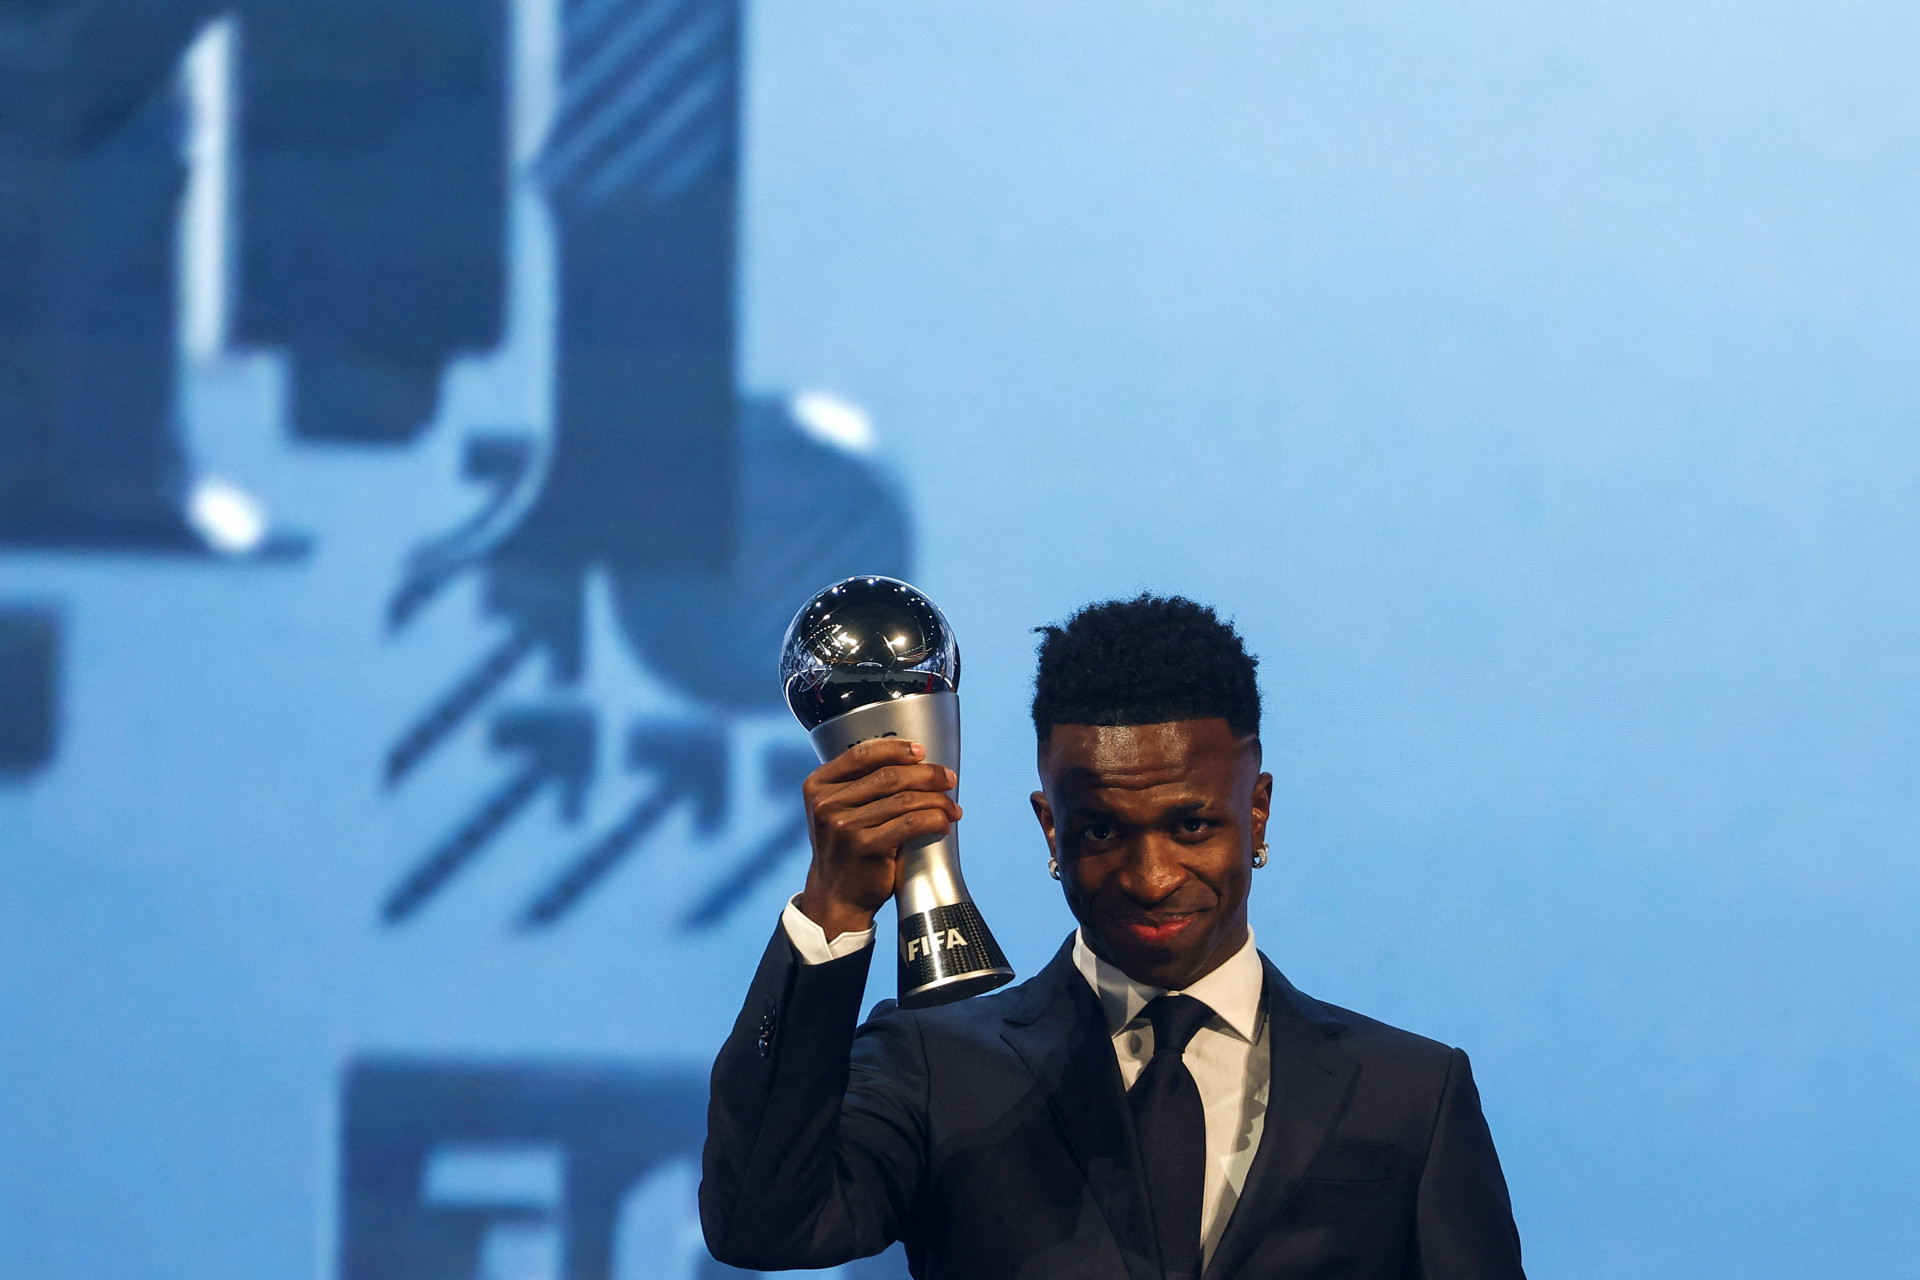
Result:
<point x="993" y="1137"/>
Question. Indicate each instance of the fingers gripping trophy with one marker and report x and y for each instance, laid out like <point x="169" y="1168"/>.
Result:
<point x="870" y="658"/>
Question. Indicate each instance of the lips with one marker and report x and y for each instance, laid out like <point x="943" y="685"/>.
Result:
<point x="1157" y="931"/>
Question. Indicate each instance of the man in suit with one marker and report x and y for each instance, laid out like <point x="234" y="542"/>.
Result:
<point x="1159" y="1101"/>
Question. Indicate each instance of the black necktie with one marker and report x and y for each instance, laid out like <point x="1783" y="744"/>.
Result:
<point x="1172" y="1128"/>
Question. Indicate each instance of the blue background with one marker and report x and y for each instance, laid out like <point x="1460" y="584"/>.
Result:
<point x="1535" y="386"/>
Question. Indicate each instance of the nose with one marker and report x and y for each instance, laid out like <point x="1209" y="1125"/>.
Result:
<point x="1154" y="872"/>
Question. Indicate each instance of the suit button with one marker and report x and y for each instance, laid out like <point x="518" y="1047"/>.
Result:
<point x="768" y="1020"/>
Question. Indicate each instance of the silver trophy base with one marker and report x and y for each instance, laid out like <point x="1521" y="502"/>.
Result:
<point x="948" y="954"/>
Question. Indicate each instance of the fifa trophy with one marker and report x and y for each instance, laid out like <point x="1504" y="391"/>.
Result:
<point x="872" y="657"/>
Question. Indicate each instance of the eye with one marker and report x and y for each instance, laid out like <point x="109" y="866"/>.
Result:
<point x="1195" y="826"/>
<point x="1097" y="831"/>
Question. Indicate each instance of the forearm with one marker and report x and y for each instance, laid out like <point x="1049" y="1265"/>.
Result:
<point x="800" y="1170"/>
<point x="795" y="1174"/>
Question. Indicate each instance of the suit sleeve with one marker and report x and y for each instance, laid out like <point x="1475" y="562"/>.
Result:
<point x="815" y="1126"/>
<point x="1463" y="1218"/>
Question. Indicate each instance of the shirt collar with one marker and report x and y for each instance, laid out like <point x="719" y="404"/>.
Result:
<point x="1232" y="991"/>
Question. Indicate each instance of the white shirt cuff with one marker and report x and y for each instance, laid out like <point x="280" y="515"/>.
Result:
<point x="810" y="940"/>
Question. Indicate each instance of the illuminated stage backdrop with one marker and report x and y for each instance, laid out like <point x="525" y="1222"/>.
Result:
<point x="418" y="419"/>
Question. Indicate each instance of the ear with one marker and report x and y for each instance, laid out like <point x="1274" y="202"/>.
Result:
<point x="1262" y="806"/>
<point x="1044" y="812"/>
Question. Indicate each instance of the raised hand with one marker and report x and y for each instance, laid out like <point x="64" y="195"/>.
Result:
<point x="862" y="806"/>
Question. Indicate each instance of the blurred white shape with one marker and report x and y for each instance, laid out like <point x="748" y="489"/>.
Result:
<point x="536" y="76"/>
<point x="207" y="81"/>
<point x="526" y="1175"/>
<point x="659" y="1233"/>
<point x="833" y="420"/>
<point x="520" y="1251"/>
<point x="230" y="519"/>
<point x="525" y="1181"/>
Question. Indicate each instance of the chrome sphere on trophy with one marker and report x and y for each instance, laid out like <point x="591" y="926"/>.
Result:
<point x="872" y="657"/>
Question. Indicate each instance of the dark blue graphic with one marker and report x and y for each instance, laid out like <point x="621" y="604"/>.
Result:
<point x="29" y="688"/>
<point x="712" y="516"/>
<point x="409" y="1209"/>
<point x="452" y="1171"/>
<point x="690" y="763"/>
<point x="786" y="768"/>
<point x="558" y="746"/>
<point x="807" y="512"/>
<point x="369" y="250"/>
<point x="641" y="169"/>
<point x="371" y="221"/>
<point x="90" y="180"/>
<point x="372" y="210"/>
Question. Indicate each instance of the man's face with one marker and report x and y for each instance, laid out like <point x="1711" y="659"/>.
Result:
<point x="1154" y="827"/>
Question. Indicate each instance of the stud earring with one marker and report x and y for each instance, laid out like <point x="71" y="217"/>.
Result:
<point x="1053" y="867"/>
<point x="1260" y="854"/>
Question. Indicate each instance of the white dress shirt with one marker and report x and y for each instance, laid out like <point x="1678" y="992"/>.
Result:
<point x="1227" y="1056"/>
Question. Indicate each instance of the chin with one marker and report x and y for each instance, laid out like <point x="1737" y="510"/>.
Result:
<point x="1155" y="966"/>
<point x="1157" y="975"/>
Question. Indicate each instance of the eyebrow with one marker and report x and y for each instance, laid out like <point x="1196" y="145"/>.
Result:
<point x="1186" y="810"/>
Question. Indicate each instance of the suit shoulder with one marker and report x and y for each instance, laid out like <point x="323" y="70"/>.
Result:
<point x="1410" y="1067"/>
<point x="982" y="1015"/>
<point x="1387" y="1038"/>
<point x="1375" y="1041"/>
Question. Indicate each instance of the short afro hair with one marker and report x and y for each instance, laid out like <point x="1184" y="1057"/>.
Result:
<point x="1148" y="660"/>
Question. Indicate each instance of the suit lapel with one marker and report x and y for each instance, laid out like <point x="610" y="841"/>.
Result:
<point x="1061" y="1035"/>
<point x="1310" y="1080"/>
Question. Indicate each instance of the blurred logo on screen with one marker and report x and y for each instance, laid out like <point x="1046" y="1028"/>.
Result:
<point x="458" y="1171"/>
<point x="524" y="1171"/>
<point x="263" y="184"/>
<point x="259" y="176"/>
